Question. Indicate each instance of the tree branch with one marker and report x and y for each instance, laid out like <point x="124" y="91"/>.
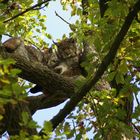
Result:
<point x="27" y="10"/>
<point x="61" y="18"/>
<point x="29" y="60"/>
<point x="41" y="75"/>
<point x="41" y="102"/>
<point x="76" y="98"/>
<point x="103" y="6"/>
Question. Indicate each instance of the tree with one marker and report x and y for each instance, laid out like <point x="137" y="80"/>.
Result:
<point x="96" y="68"/>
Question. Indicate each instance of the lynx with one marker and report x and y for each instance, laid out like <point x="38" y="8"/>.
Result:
<point x="65" y="59"/>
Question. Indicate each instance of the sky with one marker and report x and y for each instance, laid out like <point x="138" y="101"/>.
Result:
<point x="55" y="26"/>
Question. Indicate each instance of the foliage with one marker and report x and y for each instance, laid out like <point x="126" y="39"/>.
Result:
<point x="101" y="114"/>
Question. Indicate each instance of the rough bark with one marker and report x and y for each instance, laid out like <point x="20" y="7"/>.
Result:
<point x="13" y="117"/>
<point x="42" y="102"/>
<point x="33" y="69"/>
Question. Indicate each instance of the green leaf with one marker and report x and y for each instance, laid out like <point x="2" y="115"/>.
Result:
<point x="78" y="137"/>
<point x="120" y="78"/>
<point x="111" y="76"/>
<point x="32" y="124"/>
<point x="25" y="118"/>
<point x="7" y="62"/>
<point x="47" y="127"/>
<point x="48" y="36"/>
<point x="14" y="72"/>
<point x="2" y="28"/>
<point x="123" y="67"/>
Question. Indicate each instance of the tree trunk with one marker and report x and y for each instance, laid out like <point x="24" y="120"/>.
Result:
<point x="12" y="119"/>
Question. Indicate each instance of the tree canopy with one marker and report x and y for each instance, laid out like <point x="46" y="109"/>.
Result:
<point x="96" y="68"/>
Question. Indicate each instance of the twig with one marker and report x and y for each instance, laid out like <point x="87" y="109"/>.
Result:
<point x="136" y="127"/>
<point x="137" y="100"/>
<point x="27" y="10"/>
<point x="74" y="127"/>
<point x="41" y="7"/>
<point x="62" y="18"/>
<point x="8" y="35"/>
